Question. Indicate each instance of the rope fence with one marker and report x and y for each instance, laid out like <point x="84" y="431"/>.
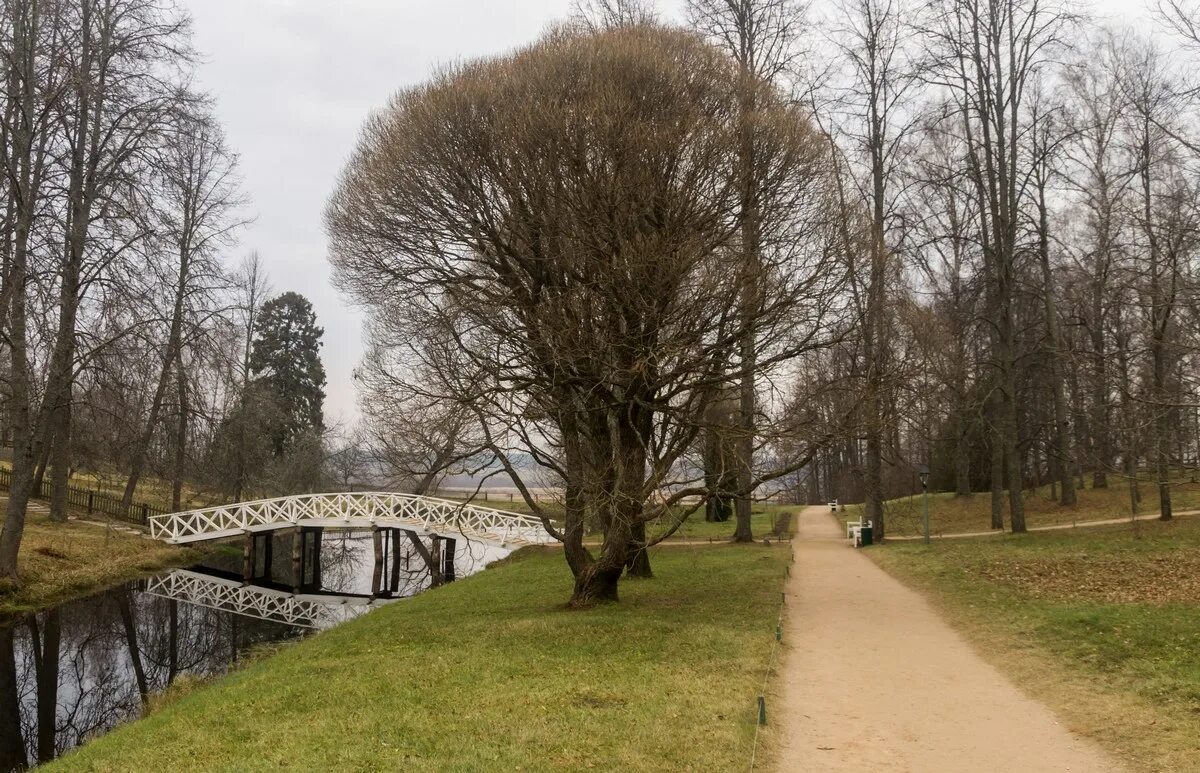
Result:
<point x="772" y="661"/>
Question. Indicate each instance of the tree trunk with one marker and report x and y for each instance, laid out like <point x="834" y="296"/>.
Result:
<point x="1062" y="438"/>
<point x="172" y="355"/>
<point x="962" y="459"/>
<point x="996" y="445"/>
<point x="47" y="641"/>
<point x="181" y="435"/>
<point x="12" y="743"/>
<point x="60" y="470"/>
<point x="1162" y="429"/>
<point x="125" y="606"/>
<point x="638" y="564"/>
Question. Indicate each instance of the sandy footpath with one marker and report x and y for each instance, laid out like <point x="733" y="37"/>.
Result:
<point x="873" y="679"/>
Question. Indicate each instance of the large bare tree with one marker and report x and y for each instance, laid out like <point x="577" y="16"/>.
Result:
<point x="565" y="222"/>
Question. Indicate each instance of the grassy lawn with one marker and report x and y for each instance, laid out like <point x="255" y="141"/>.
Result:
<point x="763" y="520"/>
<point x="1102" y="624"/>
<point x="61" y="560"/>
<point x="494" y="673"/>
<point x="950" y="515"/>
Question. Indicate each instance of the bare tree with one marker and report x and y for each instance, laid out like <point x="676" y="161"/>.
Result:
<point x="761" y="36"/>
<point x="871" y="37"/>
<point x="986" y="53"/>
<point x="576" y="271"/>
<point x="196" y="199"/>
<point x="597" y="15"/>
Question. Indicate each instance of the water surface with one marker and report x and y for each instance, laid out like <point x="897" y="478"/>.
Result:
<point x="72" y="672"/>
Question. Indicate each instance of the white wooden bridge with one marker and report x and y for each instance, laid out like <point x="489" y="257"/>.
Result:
<point x="306" y="610"/>
<point x="427" y="516"/>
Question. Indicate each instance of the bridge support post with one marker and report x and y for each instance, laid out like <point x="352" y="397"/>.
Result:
<point x="315" y="539"/>
<point x="448" y="559"/>
<point x="297" y="558"/>
<point x="435" y="562"/>
<point x="268" y="554"/>
<point x="377" y="570"/>
<point x="394" y="576"/>
<point x="248" y="556"/>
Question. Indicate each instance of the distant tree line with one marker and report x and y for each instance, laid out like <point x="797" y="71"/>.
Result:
<point x="130" y="345"/>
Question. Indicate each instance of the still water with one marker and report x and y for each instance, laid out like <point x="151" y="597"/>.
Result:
<point x="73" y="672"/>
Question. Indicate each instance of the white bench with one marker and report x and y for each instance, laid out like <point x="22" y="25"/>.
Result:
<point x="854" y="530"/>
<point x="833" y="506"/>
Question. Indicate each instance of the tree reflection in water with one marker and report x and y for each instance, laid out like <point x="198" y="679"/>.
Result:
<point x="75" y="671"/>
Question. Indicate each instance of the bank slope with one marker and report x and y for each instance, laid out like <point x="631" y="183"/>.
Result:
<point x="492" y="672"/>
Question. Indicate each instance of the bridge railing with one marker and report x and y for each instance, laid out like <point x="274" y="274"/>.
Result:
<point x="261" y="603"/>
<point x="427" y="514"/>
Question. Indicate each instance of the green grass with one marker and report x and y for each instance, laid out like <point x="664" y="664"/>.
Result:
<point x="1102" y="624"/>
<point x="949" y="514"/>
<point x="494" y="673"/>
<point x="762" y="522"/>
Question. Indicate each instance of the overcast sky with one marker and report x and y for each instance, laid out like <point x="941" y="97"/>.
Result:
<point x="294" y="80"/>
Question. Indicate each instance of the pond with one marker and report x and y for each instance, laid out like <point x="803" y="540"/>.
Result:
<point x="75" y="671"/>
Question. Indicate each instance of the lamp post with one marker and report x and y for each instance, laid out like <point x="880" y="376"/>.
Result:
<point x="924" y="473"/>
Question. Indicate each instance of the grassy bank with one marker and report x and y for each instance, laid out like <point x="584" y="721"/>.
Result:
<point x="62" y="560"/>
<point x="493" y="673"/>
<point x="1102" y="624"/>
<point x="949" y="514"/>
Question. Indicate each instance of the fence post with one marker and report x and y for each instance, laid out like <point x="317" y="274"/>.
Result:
<point x="145" y="517"/>
<point x="90" y="495"/>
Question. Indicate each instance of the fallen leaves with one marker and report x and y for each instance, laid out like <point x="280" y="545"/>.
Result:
<point x="1162" y="578"/>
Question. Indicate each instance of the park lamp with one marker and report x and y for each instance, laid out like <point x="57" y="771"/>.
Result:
<point x="923" y="471"/>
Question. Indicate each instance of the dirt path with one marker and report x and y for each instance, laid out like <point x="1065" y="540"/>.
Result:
<point x="874" y="680"/>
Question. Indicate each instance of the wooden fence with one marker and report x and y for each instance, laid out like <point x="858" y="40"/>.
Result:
<point x="92" y="502"/>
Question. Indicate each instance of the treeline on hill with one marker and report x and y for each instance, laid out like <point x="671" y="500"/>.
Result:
<point x="956" y="233"/>
<point x="129" y="345"/>
<point x="1028" y="314"/>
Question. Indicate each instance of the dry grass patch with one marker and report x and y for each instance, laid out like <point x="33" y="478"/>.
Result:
<point x="60" y="560"/>
<point x="1155" y="579"/>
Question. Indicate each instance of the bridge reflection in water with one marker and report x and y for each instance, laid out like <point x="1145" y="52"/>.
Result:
<point x="74" y="671"/>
